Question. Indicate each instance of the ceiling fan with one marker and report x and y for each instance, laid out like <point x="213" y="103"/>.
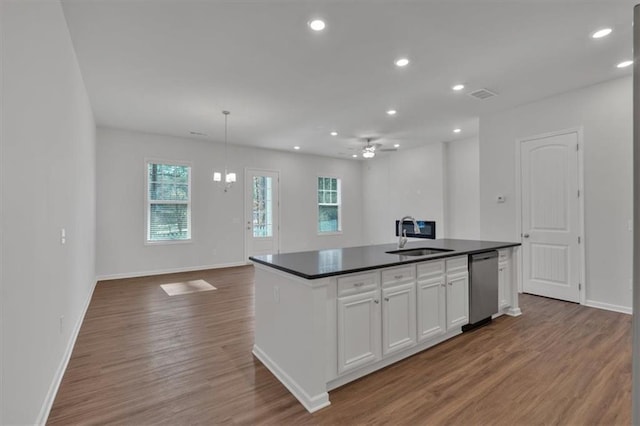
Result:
<point x="369" y="149"/>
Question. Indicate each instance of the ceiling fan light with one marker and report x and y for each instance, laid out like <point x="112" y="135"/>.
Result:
<point x="230" y="178"/>
<point x="217" y="177"/>
<point x="368" y="154"/>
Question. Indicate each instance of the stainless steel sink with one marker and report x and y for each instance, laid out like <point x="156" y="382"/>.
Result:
<point x="418" y="251"/>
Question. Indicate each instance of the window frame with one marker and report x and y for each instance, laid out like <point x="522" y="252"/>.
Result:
<point x="148" y="202"/>
<point x="338" y="204"/>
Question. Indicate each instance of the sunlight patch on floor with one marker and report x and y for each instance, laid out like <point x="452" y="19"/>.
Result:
<point x="186" y="287"/>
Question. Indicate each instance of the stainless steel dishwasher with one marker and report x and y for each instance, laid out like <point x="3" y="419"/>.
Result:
<point x="483" y="288"/>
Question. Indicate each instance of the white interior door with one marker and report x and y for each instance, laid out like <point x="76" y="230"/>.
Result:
<point x="262" y="215"/>
<point x="550" y="216"/>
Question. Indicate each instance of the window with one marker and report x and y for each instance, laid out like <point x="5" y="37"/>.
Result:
<point x="168" y="202"/>
<point x="262" y="207"/>
<point x="329" y="205"/>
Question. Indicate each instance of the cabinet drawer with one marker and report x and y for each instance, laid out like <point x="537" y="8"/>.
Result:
<point x="504" y="255"/>
<point x="401" y="275"/>
<point x="457" y="264"/>
<point x="357" y="283"/>
<point x="430" y="269"/>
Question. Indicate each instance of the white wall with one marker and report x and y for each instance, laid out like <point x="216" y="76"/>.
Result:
<point x="48" y="182"/>
<point x="462" y="189"/>
<point x="217" y="217"/>
<point x="407" y="182"/>
<point x="605" y="113"/>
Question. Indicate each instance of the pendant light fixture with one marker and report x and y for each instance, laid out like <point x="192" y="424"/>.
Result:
<point x="229" y="177"/>
<point x="369" y="151"/>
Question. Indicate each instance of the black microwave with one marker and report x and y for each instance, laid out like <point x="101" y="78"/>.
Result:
<point x="427" y="229"/>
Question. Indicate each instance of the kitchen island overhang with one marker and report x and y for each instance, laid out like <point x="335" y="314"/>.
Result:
<point x="325" y="318"/>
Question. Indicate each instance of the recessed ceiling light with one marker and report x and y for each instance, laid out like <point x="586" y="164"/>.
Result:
<point x="457" y="130"/>
<point x="396" y="145"/>
<point x="296" y="148"/>
<point x="601" y="33"/>
<point x="402" y="62"/>
<point x="392" y="112"/>
<point x="334" y="133"/>
<point x="458" y="87"/>
<point x="624" y="64"/>
<point x="317" y="24"/>
<point x="354" y="155"/>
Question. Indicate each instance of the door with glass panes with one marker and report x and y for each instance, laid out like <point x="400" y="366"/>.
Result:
<point x="261" y="217"/>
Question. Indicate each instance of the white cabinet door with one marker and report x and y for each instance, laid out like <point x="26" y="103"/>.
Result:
<point x="457" y="300"/>
<point x="504" y="284"/>
<point x="398" y="318"/>
<point x="358" y="330"/>
<point x="432" y="321"/>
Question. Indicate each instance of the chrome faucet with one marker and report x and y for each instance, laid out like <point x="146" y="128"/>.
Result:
<point x="402" y="233"/>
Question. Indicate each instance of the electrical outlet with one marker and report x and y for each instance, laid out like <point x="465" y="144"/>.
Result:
<point x="63" y="236"/>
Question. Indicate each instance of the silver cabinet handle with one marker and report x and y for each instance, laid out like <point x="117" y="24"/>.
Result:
<point x="376" y="301"/>
<point x="526" y="235"/>
<point x="397" y="277"/>
<point x="358" y="284"/>
<point x="450" y="283"/>
<point x="386" y="299"/>
<point x="443" y="284"/>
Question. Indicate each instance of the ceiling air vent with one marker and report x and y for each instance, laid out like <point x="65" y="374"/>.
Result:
<point x="482" y="94"/>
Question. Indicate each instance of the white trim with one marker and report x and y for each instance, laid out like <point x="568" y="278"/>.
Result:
<point x="168" y="271"/>
<point x="609" y="307"/>
<point x="330" y="233"/>
<point x="518" y="189"/>
<point x="513" y="312"/>
<point x="62" y="368"/>
<point x="311" y="403"/>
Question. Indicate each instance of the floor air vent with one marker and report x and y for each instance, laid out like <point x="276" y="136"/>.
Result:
<point x="482" y="94"/>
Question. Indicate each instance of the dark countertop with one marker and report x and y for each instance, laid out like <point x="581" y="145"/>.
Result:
<point x="325" y="263"/>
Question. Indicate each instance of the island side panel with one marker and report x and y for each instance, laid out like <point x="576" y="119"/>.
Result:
<point x="290" y="332"/>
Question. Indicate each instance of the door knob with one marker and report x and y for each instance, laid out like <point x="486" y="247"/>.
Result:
<point x="526" y="235"/>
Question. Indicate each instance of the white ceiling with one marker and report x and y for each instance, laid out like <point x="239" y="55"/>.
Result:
<point x="171" y="67"/>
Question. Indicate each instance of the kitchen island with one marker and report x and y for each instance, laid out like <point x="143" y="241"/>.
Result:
<point x="325" y="318"/>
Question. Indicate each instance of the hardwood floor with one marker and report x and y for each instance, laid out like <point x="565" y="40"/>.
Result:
<point x="143" y="357"/>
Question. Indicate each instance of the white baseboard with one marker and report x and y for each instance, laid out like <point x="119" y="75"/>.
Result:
<point x="514" y="312"/>
<point x="168" y="271"/>
<point x="609" y="307"/>
<point x="57" y="378"/>
<point x="311" y="403"/>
